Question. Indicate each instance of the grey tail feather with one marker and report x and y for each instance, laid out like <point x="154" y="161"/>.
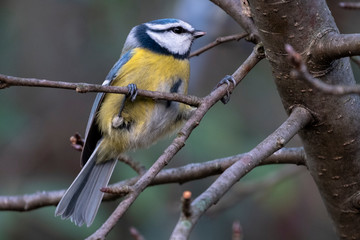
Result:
<point x="81" y="201"/>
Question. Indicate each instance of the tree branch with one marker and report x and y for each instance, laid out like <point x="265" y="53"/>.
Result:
<point x="219" y="40"/>
<point x="301" y="72"/>
<point x="333" y="46"/>
<point x="179" y="175"/>
<point x="8" y="81"/>
<point x="251" y="188"/>
<point x="136" y="234"/>
<point x="176" y="145"/>
<point x="205" y="104"/>
<point x="332" y="142"/>
<point x="298" y="118"/>
<point x="235" y="9"/>
<point x="350" y="5"/>
<point x="237" y="231"/>
<point x="29" y="202"/>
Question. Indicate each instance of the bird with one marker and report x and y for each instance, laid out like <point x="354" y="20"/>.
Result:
<point x="155" y="57"/>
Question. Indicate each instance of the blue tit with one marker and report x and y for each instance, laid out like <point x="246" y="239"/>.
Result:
<point x="154" y="57"/>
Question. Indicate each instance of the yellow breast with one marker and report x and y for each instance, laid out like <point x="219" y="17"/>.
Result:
<point x="150" y="70"/>
<point x="149" y="119"/>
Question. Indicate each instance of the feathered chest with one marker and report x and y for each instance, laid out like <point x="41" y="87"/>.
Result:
<point x="146" y="119"/>
<point x="152" y="71"/>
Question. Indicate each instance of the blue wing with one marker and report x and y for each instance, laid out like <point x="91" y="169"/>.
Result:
<point x="92" y="133"/>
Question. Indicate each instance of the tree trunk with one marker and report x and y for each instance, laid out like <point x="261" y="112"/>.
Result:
<point x="332" y="142"/>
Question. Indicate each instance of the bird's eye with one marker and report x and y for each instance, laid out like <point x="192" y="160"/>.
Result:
<point x="178" y="30"/>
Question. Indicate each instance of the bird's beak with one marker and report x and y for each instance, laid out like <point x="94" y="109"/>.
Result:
<point x="198" y="33"/>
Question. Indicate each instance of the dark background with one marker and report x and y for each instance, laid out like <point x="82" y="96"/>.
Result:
<point x="79" y="41"/>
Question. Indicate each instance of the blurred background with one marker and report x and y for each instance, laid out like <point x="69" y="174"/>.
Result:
<point x="79" y="41"/>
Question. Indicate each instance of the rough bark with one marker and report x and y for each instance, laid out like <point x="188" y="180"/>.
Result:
<point x="332" y="143"/>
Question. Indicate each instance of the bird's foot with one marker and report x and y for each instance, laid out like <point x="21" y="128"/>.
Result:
<point x="132" y="92"/>
<point x="231" y="83"/>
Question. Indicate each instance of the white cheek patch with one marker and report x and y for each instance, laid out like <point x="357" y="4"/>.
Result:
<point x="174" y="43"/>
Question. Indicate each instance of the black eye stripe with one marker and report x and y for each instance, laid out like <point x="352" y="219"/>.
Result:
<point x="177" y="30"/>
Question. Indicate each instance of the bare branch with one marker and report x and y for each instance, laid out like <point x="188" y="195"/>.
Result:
<point x="185" y="203"/>
<point x="30" y="201"/>
<point x="333" y="46"/>
<point x="135" y="165"/>
<point x="350" y="5"/>
<point x="251" y="188"/>
<point x="8" y="81"/>
<point x="237" y="231"/>
<point x="219" y="40"/>
<point x="175" y="146"/>
<point x="180" y="175"/>
<point x="332" y="143"/>
<point x="135" y="234"/>
<point x="298" y="118"/>
<point x="302" y="72"/>
<point x="234" y="8"/>
<point x="194" y="171"/>
<point x="77" y="142"/>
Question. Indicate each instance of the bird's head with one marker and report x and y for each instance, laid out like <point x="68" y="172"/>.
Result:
<point x="164" y="36"/>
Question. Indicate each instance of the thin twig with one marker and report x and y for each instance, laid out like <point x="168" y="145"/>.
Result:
<point x="121" y="191"/>
<point x="185" y="203"/>
<point x="176" y="145"/>
<point x="180" y="175"/>
<point x="237" y="231"/>
<point x="8" y="81"/>
<point x="300" y="71"/>
<point x="135" y="165"/>
<point x="77" y="142"/>
<point x="298" y="118"/>
<point x="251" y="188"/>
<point x="219" y="40"/>
<point x="235" y="9"/>
<point x="350" y="5"/>
<point x="29" y="202"/>
<point x="136" y="234"/>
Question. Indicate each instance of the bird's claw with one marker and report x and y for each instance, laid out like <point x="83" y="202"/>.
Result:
<point x="228" y="80"/>
<point x="118" y="121"/>
<point x="132" y="91"/>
